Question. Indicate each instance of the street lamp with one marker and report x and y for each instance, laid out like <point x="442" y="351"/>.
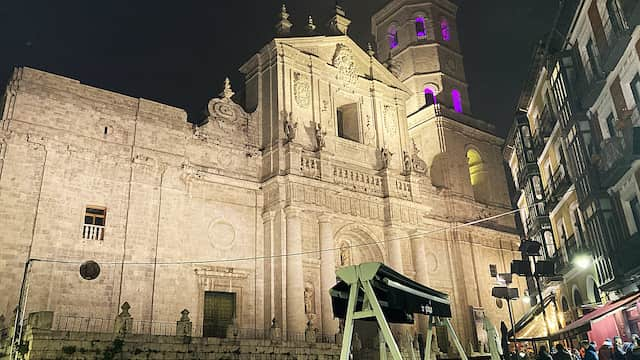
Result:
<point x="583" y="261"/>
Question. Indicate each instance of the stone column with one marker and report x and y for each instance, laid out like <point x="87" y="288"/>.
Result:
<point x="327" y="274"/>
<point x="394" y="248"/>
<point x="419" y="259"/>
<point x="296" y="319"/>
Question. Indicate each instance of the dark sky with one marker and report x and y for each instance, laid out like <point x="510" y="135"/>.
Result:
<point x="178" y="52"/>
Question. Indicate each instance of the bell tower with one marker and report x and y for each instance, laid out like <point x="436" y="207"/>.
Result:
<point x="418" y="41"/>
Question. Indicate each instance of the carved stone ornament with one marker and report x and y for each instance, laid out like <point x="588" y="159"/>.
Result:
<point x="290" y="128"/>
<point x="226" y="121"/>
<point x="370" y="132"/>
<point x="346" y="65"/>
<point x="301" y="90"/>
<point x="419" y="165"/>
<point x="390" y="119"/>
<point x="386" y="155"/>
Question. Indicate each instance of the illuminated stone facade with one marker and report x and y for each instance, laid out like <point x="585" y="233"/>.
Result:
<point x="321" y="160"/>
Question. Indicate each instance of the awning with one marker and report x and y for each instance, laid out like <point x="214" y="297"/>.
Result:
<point x="531" y="314"/>
<point x="583" y="324"/>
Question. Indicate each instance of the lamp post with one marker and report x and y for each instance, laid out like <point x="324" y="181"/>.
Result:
<point x="530" y="250"/>
<point x="503" y="291"/>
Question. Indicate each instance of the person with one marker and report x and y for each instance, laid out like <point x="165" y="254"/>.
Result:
<point x="576" y="354"/>
<point x="589" y="350"/>
<point x="634" y="354"/>
<point x="606" y="350"/>
<point x="543" y="354"/>
<point x="618" y="349"/>
<point x="561" y="353"/>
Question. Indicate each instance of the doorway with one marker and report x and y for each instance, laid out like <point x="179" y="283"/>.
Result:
<point x="219" y="311"/>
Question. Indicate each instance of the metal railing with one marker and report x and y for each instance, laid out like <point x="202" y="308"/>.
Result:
<point x="80" y="324"/>
<point x="93" y="232"/>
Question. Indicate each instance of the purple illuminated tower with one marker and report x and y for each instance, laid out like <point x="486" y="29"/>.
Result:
<point x="420" y="37"/>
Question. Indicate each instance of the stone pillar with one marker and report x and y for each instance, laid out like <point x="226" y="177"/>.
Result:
<point x="394" y="248"/>
<point x="327" y="274"/>
<point x="296" y="319"/>
<point x="419" y="259"/>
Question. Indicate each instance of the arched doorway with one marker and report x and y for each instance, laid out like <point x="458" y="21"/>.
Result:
<point x="357" y="245"/>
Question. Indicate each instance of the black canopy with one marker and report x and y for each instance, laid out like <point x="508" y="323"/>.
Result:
<point x="399" y="296"/>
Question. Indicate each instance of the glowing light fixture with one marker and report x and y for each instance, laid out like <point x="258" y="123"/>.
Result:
<point x="583" y="261"/>
<point x="456" y="98"/>
<point x="421" y="29"/>
<point x="526" y="299"/>
<point x="444" y="30"/>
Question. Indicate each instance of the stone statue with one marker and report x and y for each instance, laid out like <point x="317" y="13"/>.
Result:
<point x="308" y="301"/>
<point x="320" y="135"/>
<point x="417" y="163"/>
<point x="406" y="161"/>
<point x="493" y="340"/>
<point x="345" y="255"/>
<point x="290" y="128"/>
<point x="386" y="157"/>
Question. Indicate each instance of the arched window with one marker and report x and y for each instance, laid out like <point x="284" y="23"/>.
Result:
<point x="430" y="96"/>
<point x="393" y="37"/>
<point x="421" y="29"/>
<point x="477" y="174"/>
<point x="456" y="99"/>
<point x="444" y="29"/>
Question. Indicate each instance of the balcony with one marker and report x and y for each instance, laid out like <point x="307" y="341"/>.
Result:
<point x="564" y="256"/>
<point x="93" y="232"/>
<point x="544" y="128"/>
<point x="627" y="255"/>
<point x="538" y="219"/>
<point x="526" y="170"/>
<point x="558" y="185"/>
<point x="617" y="153"/>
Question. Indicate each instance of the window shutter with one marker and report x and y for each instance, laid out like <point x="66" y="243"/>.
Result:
<point x="618" y="98"/>
<point x="598" y="29"/>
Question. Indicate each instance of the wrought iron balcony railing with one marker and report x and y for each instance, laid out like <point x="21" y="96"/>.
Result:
<point x="558" y="185"/>
<point x="617" y="152"/>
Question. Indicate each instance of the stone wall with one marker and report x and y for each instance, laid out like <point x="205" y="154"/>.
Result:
<point x="50" y="344"/>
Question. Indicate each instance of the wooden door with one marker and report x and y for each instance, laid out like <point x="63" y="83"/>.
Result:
<point x="219" y="311"/>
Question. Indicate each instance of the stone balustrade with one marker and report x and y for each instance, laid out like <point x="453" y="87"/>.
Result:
<point x="358" y="181"/>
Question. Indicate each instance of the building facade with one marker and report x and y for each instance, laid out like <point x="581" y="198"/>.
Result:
<point x="333" y="159"/>
<point x="574" y="138"/>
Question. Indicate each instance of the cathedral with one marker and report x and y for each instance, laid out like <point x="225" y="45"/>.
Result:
<point x="336" y="155"/>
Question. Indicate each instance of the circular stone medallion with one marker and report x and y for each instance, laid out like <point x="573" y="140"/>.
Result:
<point x="221" y="234"/>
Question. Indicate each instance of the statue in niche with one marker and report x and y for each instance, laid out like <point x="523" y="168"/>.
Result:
<point x="320" y="135"/>
<point x="290" y="128"/>
<point x="386" y="155"/>
<point x="309" y="307"/>
<point x="406" y="161"/>
<point x="345" y="255"/>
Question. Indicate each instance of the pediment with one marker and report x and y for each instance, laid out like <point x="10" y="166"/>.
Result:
<point x="342" y="53"/>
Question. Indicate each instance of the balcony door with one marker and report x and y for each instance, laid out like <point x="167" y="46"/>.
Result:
<point x="219" y="311"/>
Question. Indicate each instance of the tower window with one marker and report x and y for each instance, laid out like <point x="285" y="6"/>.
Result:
<point x="477" y="174"/>
<point x="444" y="30"/>
<point x="393" y="37"/>
<point x="456" y="99"/>
<point x="421" y="29"/>
<point x="429" y="97"/>
<point x="348" y="122"/>
<point x="94" y="222"/>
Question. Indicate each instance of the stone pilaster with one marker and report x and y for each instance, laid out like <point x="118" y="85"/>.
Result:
<point x="268" y="303"/>
<point x="422" y="270"/>
<point x="296" y="319"/>
<point x="327" y="273"/>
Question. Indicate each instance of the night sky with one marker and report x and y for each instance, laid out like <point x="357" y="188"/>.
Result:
<point x="178" y="52"/>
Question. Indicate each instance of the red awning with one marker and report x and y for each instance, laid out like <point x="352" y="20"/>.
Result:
<point x="584" y="323"/>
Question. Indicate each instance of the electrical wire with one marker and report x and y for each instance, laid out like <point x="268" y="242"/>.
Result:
<point x="301" y="253"/>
